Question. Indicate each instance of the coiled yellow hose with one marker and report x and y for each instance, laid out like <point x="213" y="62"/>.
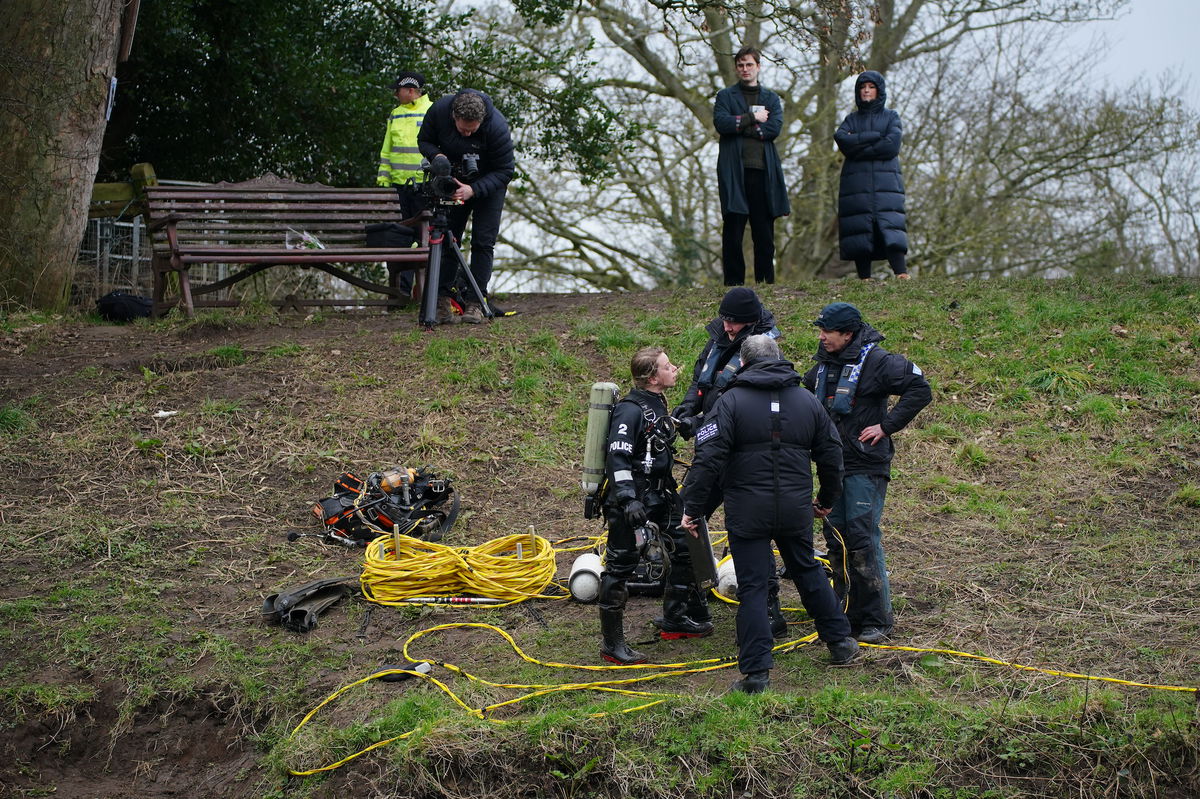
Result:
<point x="398" y="570"/>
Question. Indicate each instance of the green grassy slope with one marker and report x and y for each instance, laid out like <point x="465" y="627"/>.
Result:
<point x="1045" y="510"/>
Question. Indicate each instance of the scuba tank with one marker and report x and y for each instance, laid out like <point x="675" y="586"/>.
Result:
<point x="600" y="404"/>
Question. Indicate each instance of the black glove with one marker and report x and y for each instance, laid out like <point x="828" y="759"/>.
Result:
<point x="635" y="513"/>
<point x="686" y="427"/>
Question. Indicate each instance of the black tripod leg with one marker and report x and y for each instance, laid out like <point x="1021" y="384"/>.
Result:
<point x="432" y="277"/>
<point x="483" y="303"/>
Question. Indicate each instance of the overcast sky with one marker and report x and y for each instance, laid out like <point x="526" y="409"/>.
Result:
<point x="1149" y="38"/>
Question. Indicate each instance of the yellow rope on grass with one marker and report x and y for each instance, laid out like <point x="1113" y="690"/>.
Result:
<point x="398" y="570"/>
<point x="1022" y="667"/>
<point x="619" y="685"/>
<point x="615" y="686"/>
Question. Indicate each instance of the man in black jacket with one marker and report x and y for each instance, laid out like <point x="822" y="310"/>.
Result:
<point x="854" y="377"/>
<point x="756" y="449"/>
<point x="642" y="488"/>
<point x="468" y="130"/>
<point x="739" y="316"/>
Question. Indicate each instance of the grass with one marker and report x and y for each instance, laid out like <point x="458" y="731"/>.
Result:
<point x="1044" y="510"/>
<point x="14" y="419"/>
<point x="228" y="354"/>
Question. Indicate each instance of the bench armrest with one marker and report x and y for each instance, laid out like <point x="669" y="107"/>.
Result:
<point x="170" y="219"/>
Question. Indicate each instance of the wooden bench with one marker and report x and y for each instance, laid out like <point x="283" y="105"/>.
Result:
<point x="249" y="224"/>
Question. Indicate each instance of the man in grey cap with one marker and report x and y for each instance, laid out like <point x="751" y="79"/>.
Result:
<point x="853" y="378"/>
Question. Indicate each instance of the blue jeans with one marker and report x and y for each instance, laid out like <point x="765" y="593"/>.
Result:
<point x="859" y="567"/>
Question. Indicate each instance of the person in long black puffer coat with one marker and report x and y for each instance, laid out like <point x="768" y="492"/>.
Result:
<point x="871" y="220"/>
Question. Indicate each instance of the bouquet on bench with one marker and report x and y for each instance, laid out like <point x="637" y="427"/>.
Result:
<point x="301" y="240"/>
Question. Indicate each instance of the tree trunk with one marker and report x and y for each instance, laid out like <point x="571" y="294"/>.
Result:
<point x="56" y="61"/>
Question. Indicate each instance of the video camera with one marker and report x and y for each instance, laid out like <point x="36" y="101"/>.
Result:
<point x="440" y="177"/>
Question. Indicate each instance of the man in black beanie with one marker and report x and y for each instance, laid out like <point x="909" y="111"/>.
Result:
<point x="739" y="316"/>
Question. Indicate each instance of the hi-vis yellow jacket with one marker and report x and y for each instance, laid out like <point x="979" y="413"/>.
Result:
<point x="399" y="159"/>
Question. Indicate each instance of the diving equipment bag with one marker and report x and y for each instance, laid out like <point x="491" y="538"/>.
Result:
<point x="422" y="504"/>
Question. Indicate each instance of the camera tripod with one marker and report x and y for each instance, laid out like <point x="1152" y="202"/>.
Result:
<point x="441" y="242"/>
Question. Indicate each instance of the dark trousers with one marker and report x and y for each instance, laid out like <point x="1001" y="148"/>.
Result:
<point x="754" y="564"/>
<point x="859" y="568"/>
<point x="896" y="260"/>
<point x="621" y="554"/>
<point x="485" y="229"/>
<point x="410" y="206"/>
<point x="762" y="231"/>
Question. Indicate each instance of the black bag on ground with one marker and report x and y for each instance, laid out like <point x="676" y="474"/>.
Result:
<point x="390" y="235"/>
<point x="119" y="306"/>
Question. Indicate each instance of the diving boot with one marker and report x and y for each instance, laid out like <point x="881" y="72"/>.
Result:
<point x="675" y="623"/>
<point x="613" y="647"/>
<point x="697" y="606"/>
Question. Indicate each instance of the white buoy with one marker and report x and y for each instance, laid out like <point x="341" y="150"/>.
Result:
<point x="727" y="580"/>
<point x="584" y="582"/>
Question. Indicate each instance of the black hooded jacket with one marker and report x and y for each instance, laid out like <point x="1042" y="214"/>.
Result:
<point x="884" y="374"/>
<point x="718" y="362"/>
<point x="871" y="192"/>
<point x="761" y="461"/>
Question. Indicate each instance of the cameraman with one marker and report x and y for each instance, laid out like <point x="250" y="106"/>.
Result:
<point x="468" y="130"/>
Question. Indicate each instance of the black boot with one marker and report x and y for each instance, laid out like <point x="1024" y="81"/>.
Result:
<point x="844" y="652"/>
<point x="697" y="606"/>
<point x="675" y="623"/>
<point x="613" y="648"/>
<point x="612" y="599"/>
<point x="753" y="683"/>
<point x="779" y="625"/>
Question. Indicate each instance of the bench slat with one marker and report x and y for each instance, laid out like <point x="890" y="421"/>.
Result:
<point x="300" y="193"/>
